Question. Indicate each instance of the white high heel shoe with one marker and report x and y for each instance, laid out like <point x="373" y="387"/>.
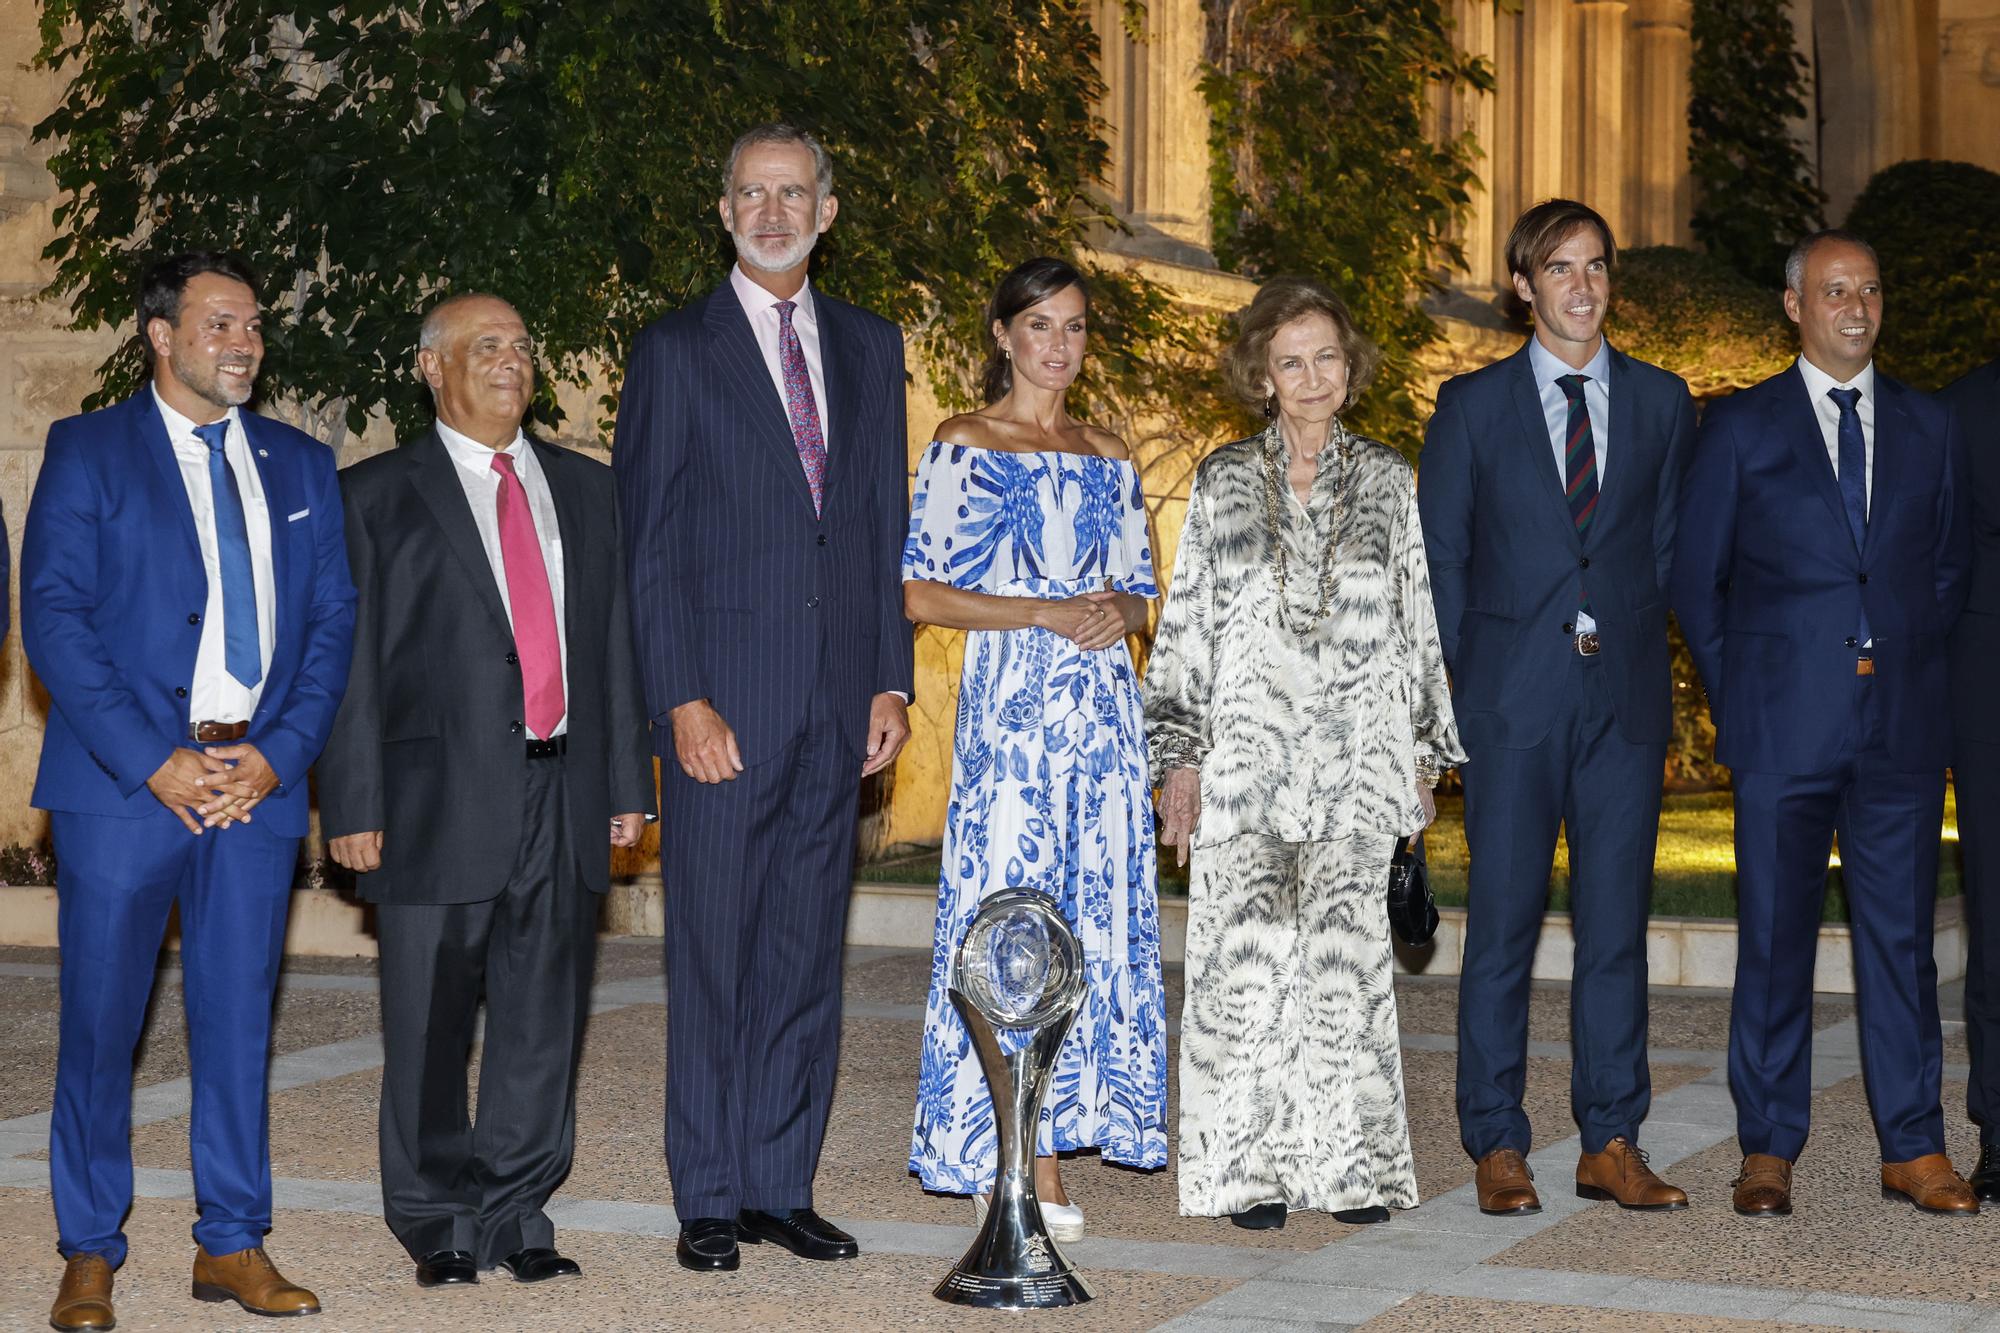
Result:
<point x="1064" y="1220"/>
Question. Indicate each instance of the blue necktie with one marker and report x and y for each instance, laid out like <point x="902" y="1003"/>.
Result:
<point x="1853" y="473"/>
<point x="240" y="652"/>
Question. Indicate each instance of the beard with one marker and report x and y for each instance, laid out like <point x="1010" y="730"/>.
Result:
<point x="207" y="383"/>
<point x="791" y="257"/>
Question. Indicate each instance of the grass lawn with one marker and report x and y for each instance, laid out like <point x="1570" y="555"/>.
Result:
<point x="1694" y="872"/>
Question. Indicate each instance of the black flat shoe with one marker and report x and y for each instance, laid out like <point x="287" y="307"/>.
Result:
<point x="1362" y="1217"/>
<point x="708" y="1245"/>
<point x="1264" y="1217"/>
<point x="447" y="1268"/>
<point x="802" y="1231"/>
<point x="1985" y="1178"/>
<point x="539" y="1264"/>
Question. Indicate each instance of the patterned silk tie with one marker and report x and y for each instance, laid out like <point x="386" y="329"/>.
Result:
<point x="1579" y="464"/>
<point x="1853" y="473"/>
<point x="799" y="404"/>
<point x="532" y="606"/>
<point x="241" y="654"/>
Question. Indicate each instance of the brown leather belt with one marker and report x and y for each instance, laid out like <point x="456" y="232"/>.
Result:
<point x="215" y="733"/>
<point x="1864" y="666"/>
<point x="1587" y="645"/>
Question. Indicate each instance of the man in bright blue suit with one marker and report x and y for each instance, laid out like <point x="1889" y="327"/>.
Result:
<point x="185" y="600"/>
<point x="1822" y="558"/>
<point x="1548" y="487"/>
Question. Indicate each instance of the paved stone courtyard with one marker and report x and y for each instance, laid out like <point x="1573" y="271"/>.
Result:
<point x="1845" y="1260"/>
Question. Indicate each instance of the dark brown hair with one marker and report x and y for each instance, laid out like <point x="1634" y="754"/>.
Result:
<point x="1277" y="303"/>
<point x="1026" y="284"/>
<point x="1540" y="231"/>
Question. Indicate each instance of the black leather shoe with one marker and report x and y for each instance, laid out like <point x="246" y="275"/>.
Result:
<point x="708" y="1245"/>
<point x="447" y="1268"/>
<point x="1361" y="1217"/>
<point x="1985" y="1178"/>
<point x="538" y="1264"/>
<point x="1264" y="1217"/>
<point x="802" y="1231"/>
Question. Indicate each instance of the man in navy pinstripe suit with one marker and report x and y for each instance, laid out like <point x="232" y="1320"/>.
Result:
<point x="761" y="458"/>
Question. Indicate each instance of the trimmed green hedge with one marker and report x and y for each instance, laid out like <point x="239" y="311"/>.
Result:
<point x="1696" y="316"/>
<point x="1936" y="228"/>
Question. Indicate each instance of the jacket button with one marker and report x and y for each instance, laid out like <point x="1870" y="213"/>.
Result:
<point x="1584" y="563"/>
<point x="1568" y="627"/>
<point x="180" y="692"/>
<point x="822" y="539"/>
<point x="194" y="617"/>
<point x="811" y="603"/>
<point x="1853" y="642"/>
<point x="514" y="727"/>
<point x="513" y="659"/>
<point x="1864" y="578"/>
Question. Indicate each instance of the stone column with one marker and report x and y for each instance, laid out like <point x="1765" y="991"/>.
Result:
<point x="1159" y="126"/>
<point x="1467" y="110"/>
<point x="1597" y="111"/>
<point x="1659" y="197"/>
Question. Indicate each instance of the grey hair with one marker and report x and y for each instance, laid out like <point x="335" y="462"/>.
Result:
<point x="439" y="316"/>
<point x="1795" y="262"/>
<point x="779" y="132"/>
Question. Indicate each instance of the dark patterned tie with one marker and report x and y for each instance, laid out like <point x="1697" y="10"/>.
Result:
<point x="241" y="652"/>
<point x="1579" y="464"/>
<point x="1853" y="473"/>
<point x="799" y="404"/>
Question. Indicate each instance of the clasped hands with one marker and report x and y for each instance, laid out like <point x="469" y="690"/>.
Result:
<point x="1093" y="620"/>
<point x="219" y="785"/>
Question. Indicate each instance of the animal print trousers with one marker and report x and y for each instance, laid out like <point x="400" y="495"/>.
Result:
<point x="1291" y="1071"/>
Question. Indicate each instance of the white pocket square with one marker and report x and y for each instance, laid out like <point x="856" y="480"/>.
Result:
<point x="293" y="518"/>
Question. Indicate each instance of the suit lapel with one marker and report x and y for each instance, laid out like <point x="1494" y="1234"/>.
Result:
<point x="570" y="523"/>
<point x="734" y="349"/>
<point x="1891" y="426"/>
<point x="1538" y="456"/>
<point x="1618" y="426"/>
<point x="151" y="433"/>
<point x="1797" y="422"/>
<point x="839" y="360"/>
<point x="436" y="478"/>
<point x="277" y="510"/>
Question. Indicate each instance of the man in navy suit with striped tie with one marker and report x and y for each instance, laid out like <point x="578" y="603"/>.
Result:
<point x="761" y="460"/>
<point x="1822" y="560"/>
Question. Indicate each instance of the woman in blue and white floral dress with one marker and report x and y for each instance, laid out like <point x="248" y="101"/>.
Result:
<point x="1028" y="530"/>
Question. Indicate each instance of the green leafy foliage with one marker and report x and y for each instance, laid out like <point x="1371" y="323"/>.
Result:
<point x="1936" y="228"/>
<point x="1693" y="314"/>
<point x="369" y="156"/>
<point x="1321" y="165"/>
<point x="1755" y="186"/>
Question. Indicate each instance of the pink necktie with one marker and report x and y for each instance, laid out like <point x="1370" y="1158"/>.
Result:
<point x="534" y="610"/>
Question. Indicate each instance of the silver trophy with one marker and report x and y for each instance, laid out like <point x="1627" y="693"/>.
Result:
<point x="1017" y="972"/>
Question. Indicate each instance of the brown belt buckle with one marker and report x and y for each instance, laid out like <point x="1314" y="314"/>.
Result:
<point x="217" y="733"/>
<point x="1864" y="666"/>
<point x="1587" y="645"/>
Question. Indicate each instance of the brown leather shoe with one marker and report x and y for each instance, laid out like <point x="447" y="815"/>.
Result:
<point x="1930" y="1184"/>
<point x="1764" y="1186"/>
<point x="1506" y="1184"/>
<point x="84" y="1299"/>
<point x="249" y="1278"/>
<point x="1620" y="1175"/>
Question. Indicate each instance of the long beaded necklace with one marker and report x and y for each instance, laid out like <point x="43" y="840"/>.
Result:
<point x="1273" y="453"/>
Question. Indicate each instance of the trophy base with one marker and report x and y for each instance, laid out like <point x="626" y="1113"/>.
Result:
<point x="1039" y="1291"/>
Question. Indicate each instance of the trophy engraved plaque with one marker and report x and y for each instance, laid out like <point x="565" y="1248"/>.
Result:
<point x="1016" y="981"/>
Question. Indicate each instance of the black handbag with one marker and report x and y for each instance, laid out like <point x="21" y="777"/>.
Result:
<point x="1413" y="912"/>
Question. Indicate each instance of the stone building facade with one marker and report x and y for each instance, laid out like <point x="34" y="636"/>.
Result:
<point x="1591" y="101"/>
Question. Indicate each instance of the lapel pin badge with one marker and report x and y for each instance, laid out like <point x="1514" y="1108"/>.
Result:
<point x="263" y="453"/>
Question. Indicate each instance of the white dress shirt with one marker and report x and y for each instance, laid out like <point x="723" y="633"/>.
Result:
<point x="1828" y="412"/>
<point x="214" y="695"/>
<point x="762" y="308"/>
<point x="482" y="492"/>
<point x="1548" y="368"/>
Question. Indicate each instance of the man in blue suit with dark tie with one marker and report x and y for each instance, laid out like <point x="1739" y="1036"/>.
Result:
<point x="1547" y="486"/>
<point x="762" y="463"/>
<point x="185" y="600"/>
<point x="1821" y="562"/>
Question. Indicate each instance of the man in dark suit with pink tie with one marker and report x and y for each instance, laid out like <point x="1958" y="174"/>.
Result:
<point x="761" y="459"/>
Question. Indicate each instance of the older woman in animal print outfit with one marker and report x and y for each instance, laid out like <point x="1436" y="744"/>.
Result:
<point x="1298" y="717"/>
